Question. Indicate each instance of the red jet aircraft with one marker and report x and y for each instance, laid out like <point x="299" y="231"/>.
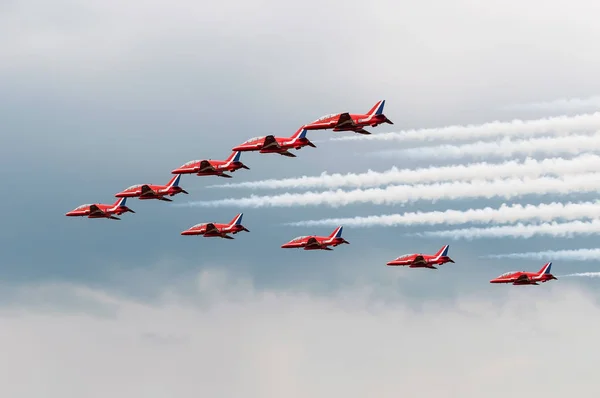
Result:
<point x="526" y="278"/>
<point x="351" y="122"/>
<point x="99" y="210"/>
<point x="312" y="242"/>
<point x="213" y="167"/>
<point x="280" y="145"/>
<point x="424" y="260"/>
<point x="217" y="230"/>
<point x="150" y="191"/>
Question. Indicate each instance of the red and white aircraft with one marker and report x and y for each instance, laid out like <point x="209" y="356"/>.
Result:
<point x="100" y="210"/>
<point x="418" y="260"/>
<point x="210" y="229"/>
<point x="280" y="145"/>
<point x="526" y="278"/>
<point x="350" y="121"/>
<point x="313" y="242"/>
<point x="151" y="191"/>
<point x="209" y="167"/>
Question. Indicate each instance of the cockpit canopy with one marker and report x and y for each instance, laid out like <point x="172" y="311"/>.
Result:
<point x="83" y="206"/>
<point x="299" y="238"/>
<point x="403" y="256"/>
<point x="199" y="225"/>
<point x="325" y="117"/>
<point x="507" y="274"/>
<point x="134" y="186"/>
<point x="254" y="139"/>
<point x="191" y="162"/>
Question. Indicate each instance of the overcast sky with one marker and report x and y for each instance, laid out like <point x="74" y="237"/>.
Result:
<point x="99" y="96"/>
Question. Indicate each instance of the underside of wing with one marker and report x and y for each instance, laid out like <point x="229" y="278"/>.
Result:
<point x="522" y="279"/>
<point x="362" y="131"/>
<point x="345" y="120"/>
<point x="288" y="154"/>
<point x="419" y="260"/>
<point x="147" y="191"/>
<point x="211" y="229"/>
<point x="206" y="166"/>
<point x="270" y="142"/>
<point x="95" y="211"/>
<point x="312" y="243"/>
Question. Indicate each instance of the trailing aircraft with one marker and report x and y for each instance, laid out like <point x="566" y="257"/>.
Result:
<point x="209" y="230"/>
<point x="350" y="121"/>
<point x="526" y="278"/>
<point x="209" y="167"/>
<point x="151" y="191"/>
<point x="312" y="242"/>
<point x="101" y="210"/>
<point x="418" y="260"/>
<point x="280" y="145"/>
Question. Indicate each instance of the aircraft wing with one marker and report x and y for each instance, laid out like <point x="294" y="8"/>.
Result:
<point x="95" y="211"/>
<point x="211" y="229"/>
<point x="206" y="166"/>
<point x="312" y="242"/>
<point x="345" y="120"/>
<point x="288" y="154"/>
<point x="419" y="260"/>
<point x="362" y="131"/>
<point x="522" y="278"/>
<point x="270" y="142"/>
<point x="147" y="191"/>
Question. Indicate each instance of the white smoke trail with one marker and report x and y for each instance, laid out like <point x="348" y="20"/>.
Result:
<point x="559" y="125"/>
<point x="583" y="274"/>
<point x="561" y="104"/>
<point x="504" y="148"/>
<point x="575" y="255"/>
<point x="503" y="215"/>
<point x="527" y="168"/>
<point x="396" y="194"/>
<point x="520" y="230"/>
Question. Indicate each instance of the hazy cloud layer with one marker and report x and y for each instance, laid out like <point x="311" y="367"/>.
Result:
<point x="224" y="338"/>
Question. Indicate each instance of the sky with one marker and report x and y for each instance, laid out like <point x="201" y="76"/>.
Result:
<point x="492" y="151"/>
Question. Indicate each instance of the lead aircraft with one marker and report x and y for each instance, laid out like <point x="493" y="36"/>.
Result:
<point x="312" y="242"/>
<point x="350" y="121"/>
<point x="418" y="260"/>
<point x="101" y="210"/>
<point x="526" y="278"/>
<point x="280" y="145"/>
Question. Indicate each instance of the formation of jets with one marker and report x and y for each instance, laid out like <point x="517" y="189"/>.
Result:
<point x="282" y="145"/>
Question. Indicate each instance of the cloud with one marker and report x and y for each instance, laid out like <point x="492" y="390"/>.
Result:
<point x="570" y="145"/>
<point x="529" y="168"/>
<point x="501" y="215"/>
<point x="399" y="194"/>
<point x="561" y="104"/>
<point x="520" y="230"/>
<point x="574" y="254"/>
<point x="558" y="125"/>
<point x="230" y="342"/>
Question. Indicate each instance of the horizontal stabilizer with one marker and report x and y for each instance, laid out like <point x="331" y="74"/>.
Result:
<point x="288" y="154"/>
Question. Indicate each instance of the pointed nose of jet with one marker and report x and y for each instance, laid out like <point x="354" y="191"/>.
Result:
<point x="285" y="245"/>
<point x="120" y="194"/>
<point x="178" y="170"/>
<point x="70" y="213"/>
<point x="186" y="232"/>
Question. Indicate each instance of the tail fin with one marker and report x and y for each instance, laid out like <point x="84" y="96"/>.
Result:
<point x="337" y="233"/>
<point x="443" y="252"/>
<point x="234" y="157"/>
<point x="174" y="182"/>
<point x="301" y="133"/>
<point x="237" y="219"/>
<point x="545" y="269"/>
<point x="120" y="202"/>
<point x="377" y="109"/>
